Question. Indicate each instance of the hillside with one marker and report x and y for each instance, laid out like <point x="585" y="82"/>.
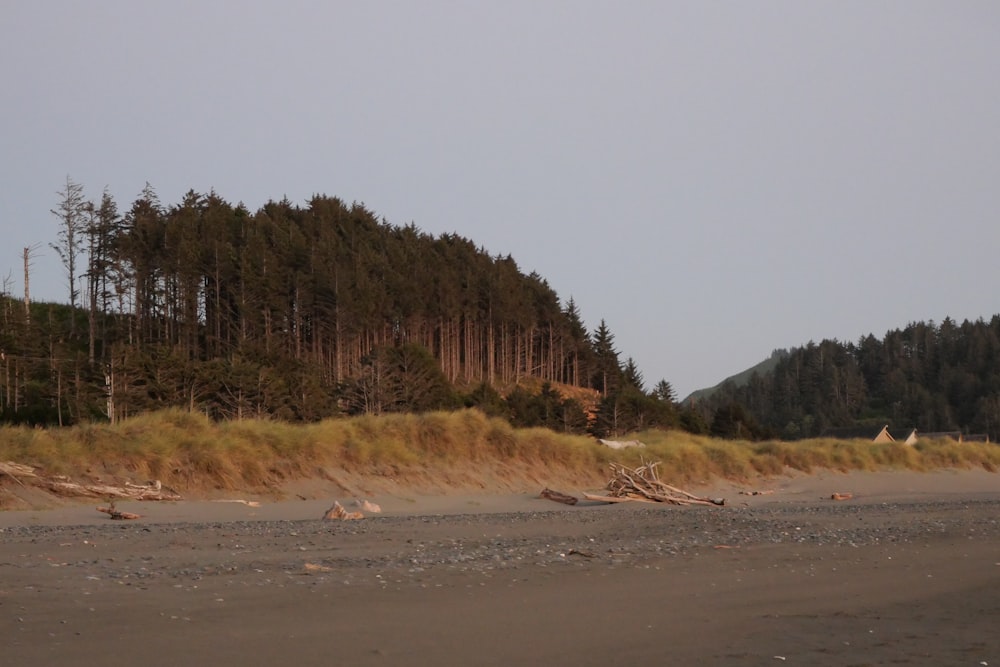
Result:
<point x="935" y="378"/>
<point x="739" y="379"/>
<point x="300" y="313"/>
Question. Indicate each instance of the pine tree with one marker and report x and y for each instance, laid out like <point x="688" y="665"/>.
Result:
<point x="664" y="391"/>
<point x="607" y="373"/>
<point x="102" y="230"/>
<point x="632" y="376"/>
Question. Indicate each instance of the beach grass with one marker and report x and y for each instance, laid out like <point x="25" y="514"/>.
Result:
<point x="188" y="451"/>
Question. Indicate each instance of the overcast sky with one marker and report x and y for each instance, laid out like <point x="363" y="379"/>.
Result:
<point x="713" y="179"/>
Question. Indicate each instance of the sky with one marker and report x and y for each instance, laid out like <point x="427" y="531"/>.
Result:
<point x="714" y="180"/>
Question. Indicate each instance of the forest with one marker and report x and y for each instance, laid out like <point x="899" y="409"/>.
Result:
<point x="300" y="313"/>
<point x="935" y="378"/>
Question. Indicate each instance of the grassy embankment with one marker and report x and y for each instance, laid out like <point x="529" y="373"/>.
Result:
<point x="434" y="452"/>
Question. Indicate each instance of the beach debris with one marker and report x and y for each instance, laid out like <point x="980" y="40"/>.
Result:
<point x="63" y="486"/>
<point x="367" y="506"/>
<point x="578" y="552"/>
<point x="248" y="503"/>
<point x="316" y="567"/>
<point x="150" y="491"/>
<point x="558" y="497"/>
<point x="621" y="444"/>
<point x="842" y="496"/>
<point x="338" y="512"/>
<point x="643" y="484"/>
<point x="766" y="492"/>
<point x="12" y="470"/>
<point x="117" y="514"/>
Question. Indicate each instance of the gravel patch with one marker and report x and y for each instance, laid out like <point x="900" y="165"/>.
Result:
<point x="414" y="548"/>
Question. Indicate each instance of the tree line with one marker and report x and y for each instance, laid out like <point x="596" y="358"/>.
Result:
<point x="301" y="313"/>
<point x="932" y="377"/>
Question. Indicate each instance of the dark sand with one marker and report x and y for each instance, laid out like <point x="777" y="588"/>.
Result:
<point x="907" y="572"/>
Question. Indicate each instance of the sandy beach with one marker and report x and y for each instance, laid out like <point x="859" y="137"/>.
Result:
<point x="907" y="571"/>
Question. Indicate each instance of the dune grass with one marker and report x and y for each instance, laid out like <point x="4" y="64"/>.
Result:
<point x="696" y="458"/>
<point x="188" y="452"/>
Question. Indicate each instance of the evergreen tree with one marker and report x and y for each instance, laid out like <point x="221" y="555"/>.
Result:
<point x="632" y="376"/>
<point x="607" y="375"/>
<point x="665" y="392"/>
<point x="102" y="237"/>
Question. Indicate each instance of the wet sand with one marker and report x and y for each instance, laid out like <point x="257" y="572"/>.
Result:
<point x="906" y="572"/>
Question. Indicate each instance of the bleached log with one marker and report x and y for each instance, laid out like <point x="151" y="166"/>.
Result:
<point x="62" y="486"/>
<point x="16" y="470"/>
<point x="620" y="444"/>
<point x="133" y="492"/>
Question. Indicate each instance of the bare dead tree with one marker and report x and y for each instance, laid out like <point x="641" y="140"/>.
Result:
<point x="72" y="221"/>
<point x="29" y="253"/>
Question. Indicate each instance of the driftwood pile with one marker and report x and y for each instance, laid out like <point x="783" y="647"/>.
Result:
<point x="644" y="484"/>
<point x="62" y="486"/>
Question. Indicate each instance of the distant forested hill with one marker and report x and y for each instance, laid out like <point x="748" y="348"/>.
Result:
<point x="299" y="313"/>
<point x="740" y="378"/>
<point x="930" y="377"/>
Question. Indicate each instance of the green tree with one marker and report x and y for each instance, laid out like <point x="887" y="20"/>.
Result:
<point x="732" y="421"/>
<point x="664" y="391"/>
<point x="632" y="376"/>
<point x="607" y="375"/>
<point x="102" y="233"/>
<point x="406" y="378"/>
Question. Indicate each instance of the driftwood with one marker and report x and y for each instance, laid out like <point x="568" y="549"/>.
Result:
<point x="585" y="554"/>
<point x="338" y="512"/>
<point x="613" y="499"/>
<point x="316" y="567"/>
<point x="241" y="501"/>
<point x="643" y="484"/>
<point x="16" y="470"/>
<point x="559" y="497"/>
<point x="118" y="515"/>
<point x="367" y="506"/>
<point x="621" y="444"/>
<point x="62" y="486"/>
<point x="152" y="491"/>
<point x="841" y="496"/>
